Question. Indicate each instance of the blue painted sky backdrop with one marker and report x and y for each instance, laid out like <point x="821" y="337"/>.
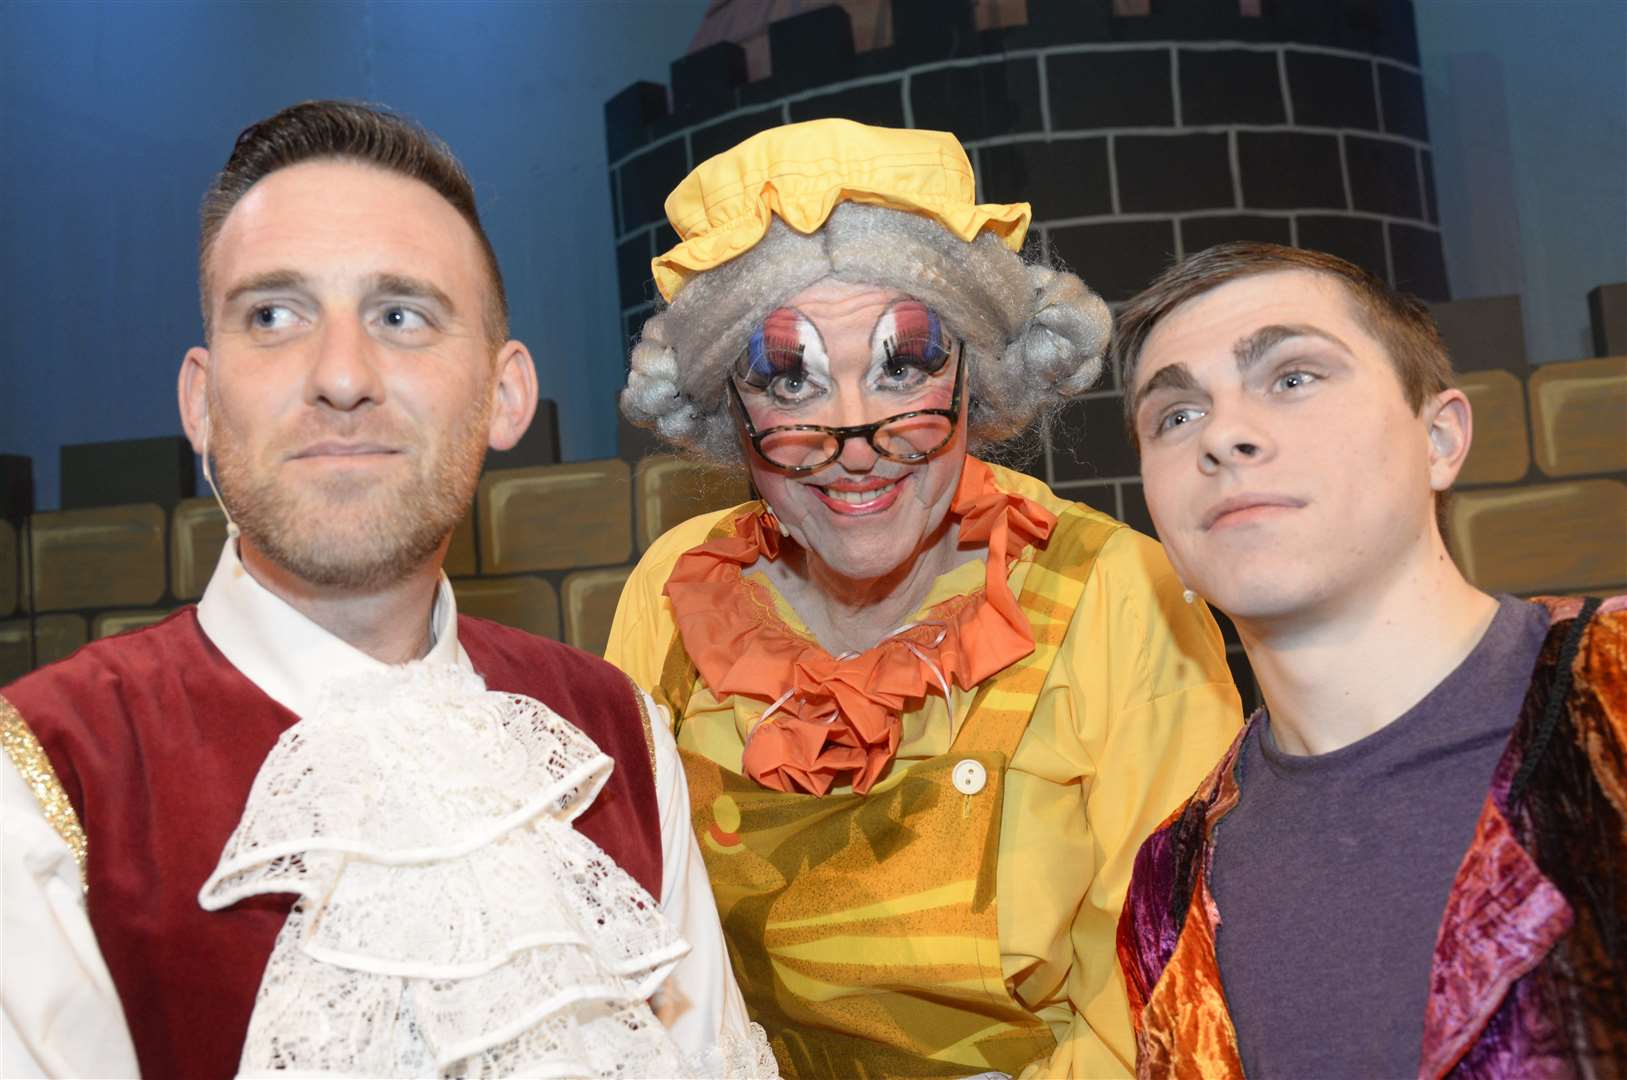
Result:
<point x="113" y="117"/>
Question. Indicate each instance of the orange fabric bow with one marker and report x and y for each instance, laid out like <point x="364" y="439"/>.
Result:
<point x="837" y="719"/>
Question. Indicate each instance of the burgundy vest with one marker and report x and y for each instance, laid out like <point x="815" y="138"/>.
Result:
<point x="157" y="739"/>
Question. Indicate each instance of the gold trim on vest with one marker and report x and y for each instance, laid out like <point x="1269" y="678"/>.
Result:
<point x="644" y="715"/>
<point x="29" y="756"/>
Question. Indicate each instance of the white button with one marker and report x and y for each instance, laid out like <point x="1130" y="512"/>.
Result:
<point x="970" y="776"/>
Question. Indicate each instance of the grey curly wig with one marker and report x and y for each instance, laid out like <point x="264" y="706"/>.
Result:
<point x="1034" y="335"/>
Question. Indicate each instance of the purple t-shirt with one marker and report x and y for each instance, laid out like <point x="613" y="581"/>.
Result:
<point x="1331" y="873"/>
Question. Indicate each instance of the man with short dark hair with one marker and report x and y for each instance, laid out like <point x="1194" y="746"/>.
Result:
<point x="1413" y="861"/>
<point x="320" y="822"/>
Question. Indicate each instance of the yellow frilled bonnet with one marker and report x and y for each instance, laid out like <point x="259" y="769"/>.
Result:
<point x="801" y="171"/>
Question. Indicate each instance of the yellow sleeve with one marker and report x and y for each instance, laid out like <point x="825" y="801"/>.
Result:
<point x="1143" y="684"/>
<point x="642" y="629"/>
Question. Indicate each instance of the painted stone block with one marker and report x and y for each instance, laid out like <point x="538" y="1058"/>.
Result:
<point x="526" y="603"/>
<point x="540" y="443"/>
<point x="112" y="556"/>
<point x="1500" y="452"/>
<point x="881" y="104"/>
<point x="1418" y="261"/>
<point x="1579" y="416"/>
<point x="1088" y="442"/>
<point x="1096" y="90"/>
<point x="646" y="179"/>
<point x="1542" y="538"/>
<point x="1607" y="313"/>
<point x="109" y="623"/>
<point x="1198" y="233"/>
<point x="556" y="517"/>
<point x="1357" y="240"/>
<point x="715" y="138"/>
<point x="1230" y="86"/>
<point x="1160" y="174"/>
<point x="1332" y="91"/>
<point x="633" y="271"/>
<point x="10" y="569"/>
<point x="198" y="533"/>
<point x="672" y="490"/>
<point x="589" y="599"/>
<point x="999" y="97"/>
<point x="55" y="637"/>
<point x="160" y="470"/>
<point x="1484" y="333"/>
<point x="1384" y="177"/>
<point x="460" y="553"/>
<point x="1066" y="178"/>
<point x="1117" y="258"/>
<point x="1290" y="170"/>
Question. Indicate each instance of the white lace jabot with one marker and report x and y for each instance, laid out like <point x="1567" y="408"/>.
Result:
<point x="450" y="920"/>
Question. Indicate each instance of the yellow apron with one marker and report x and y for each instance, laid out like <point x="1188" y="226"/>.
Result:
<point x="862" y="928"/>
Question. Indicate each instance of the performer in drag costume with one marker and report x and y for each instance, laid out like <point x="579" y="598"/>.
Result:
<point x="320" y="823"/>
<point x="927" y="708"/>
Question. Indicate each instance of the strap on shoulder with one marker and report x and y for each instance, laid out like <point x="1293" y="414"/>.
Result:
<point x="1004" y="704"/>
<point x="1558" y="691"/>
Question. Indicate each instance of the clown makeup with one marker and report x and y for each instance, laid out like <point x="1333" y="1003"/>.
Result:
<point x="849" y="357"/>
<point x="785" y="359"/>
<point x="913" y="347"/>
<point x="786" y="363"/>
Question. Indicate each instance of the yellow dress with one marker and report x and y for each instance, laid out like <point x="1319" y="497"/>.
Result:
<point x="1132" y="705"/>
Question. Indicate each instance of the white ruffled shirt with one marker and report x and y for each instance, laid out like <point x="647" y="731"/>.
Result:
<point x="59" y="1012"/>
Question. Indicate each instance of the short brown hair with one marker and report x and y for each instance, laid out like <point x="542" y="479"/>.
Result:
<point x="1400" y="323"/>
<point x="347" y="131"/>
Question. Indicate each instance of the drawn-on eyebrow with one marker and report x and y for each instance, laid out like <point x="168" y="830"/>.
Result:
<point x="411" y="288"/>
<point x="269" y="281"/>
<point x="1172" y="376"/>
<point x="1251" y="349"/>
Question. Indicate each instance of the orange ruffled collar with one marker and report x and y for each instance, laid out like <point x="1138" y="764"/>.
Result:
<point x="837" y="719"/>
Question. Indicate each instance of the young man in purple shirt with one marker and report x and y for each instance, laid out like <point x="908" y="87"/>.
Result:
<point x="1413" y="861"/>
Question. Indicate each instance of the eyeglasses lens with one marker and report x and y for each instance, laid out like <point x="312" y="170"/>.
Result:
<point x="908" y="439"/>
<point x="913" y="436"/>
<point x="799" y="449"/>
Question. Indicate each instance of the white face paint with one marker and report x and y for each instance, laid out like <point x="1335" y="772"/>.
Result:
<point x="786" y="364"/>
<point x="865" y="354"/>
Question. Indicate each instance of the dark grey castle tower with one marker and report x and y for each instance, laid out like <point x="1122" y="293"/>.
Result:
<point x="1136" y="137"/>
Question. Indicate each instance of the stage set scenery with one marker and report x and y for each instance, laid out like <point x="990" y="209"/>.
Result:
<point x="840" y="591"/>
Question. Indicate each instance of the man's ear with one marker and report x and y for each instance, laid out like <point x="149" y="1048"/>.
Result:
<point x="192" y="393"/>
<point x="514" y="396"/>
<point x="1451" y="430"/>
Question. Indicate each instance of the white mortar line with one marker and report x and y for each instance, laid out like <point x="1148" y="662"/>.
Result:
<point x="1389" y="257"/>
<point x="1197" y="129"/>
<point x="1282" y="78"/>
<point x="1044" y="96"/>
<point x="1344" y="174"/>
<point x="1378" y="99"/>
<point x="1112" y="175"/>
<point x="1237" y="169"/>
<point x="1175" y="83"/>
<point x="902" y="75"/>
